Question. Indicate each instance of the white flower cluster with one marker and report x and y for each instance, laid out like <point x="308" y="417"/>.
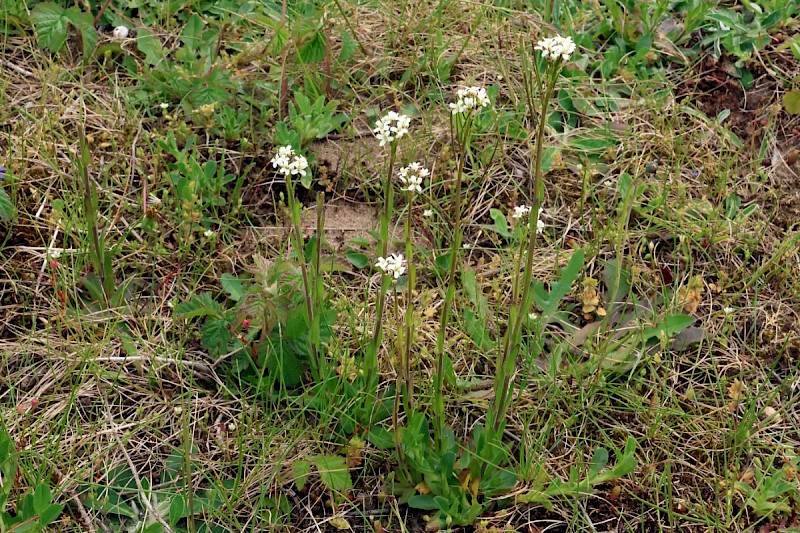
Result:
<point x="469" y="100"/>
<point x="556" y="48"/>
<point x="289" y="163"/>
<point x="521" y="211"/>
<point x="391" y="127"/>
<point x="392" y="265"/>
<point x="411" y="177"/>
<point x="121" y="32"/>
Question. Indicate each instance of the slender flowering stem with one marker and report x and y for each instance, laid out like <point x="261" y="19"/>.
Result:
<point x="461" y="124"/>
<point x="385" y="132"/>
<point x="555" y="51"/>
<point x="290" y="164"/>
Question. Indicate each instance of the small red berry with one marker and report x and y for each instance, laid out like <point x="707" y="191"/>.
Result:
<point x="245" y="323"/>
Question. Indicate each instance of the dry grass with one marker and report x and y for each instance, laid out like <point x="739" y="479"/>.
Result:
<point x="704" y="418"/>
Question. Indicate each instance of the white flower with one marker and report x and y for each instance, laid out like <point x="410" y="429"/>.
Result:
<point x="163" y="105"/>
<point x="411" y="177"/>
<point x="469" y="100"/>
<point x="728" y="310"/>
<point x="208" y="233"/>
<point x="556" y="48"/>
<point x="391" y="127"/>
<point x="177" y="409"/>
<point x="231" y="426"/>
<point x="289" y="163"/>
<point x="427" y="213"/>
<point x="521" y="211"/>
<point x="121" y="32"/>
<point x="392" y="266"/>
<point x="539" y="223"/>
<point x="532" y="316"/>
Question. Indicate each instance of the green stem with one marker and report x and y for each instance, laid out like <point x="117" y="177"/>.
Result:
<point x="371" y="359"/>
<point x="409" y="316"/>
<point x="297" y="234"/>
<point x="507" y="362"/>
<point x="455" y="248"/>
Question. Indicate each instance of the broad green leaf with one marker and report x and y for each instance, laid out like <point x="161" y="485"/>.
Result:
<point x="150" y="47"/>
<point x="84" y="22"/>
<point x="357" y="259"/>
<point x="314" y="50"/>
<point x="333" y="472"/>
<point x="50" y="514"/>
<point x="216" y="337"/>
<point x="300" y="472"/>
<point x="668" y="327"/>
<point x="599" y="461"/>
<point x="791" y="102"/>
<point x="348" y="46"/>
<point x="52" y="25"/>
<point x="233" y="286"/>
<point x="477" y="331"/>
<point x="6" y="206"/>
<point x="500" y="223"/>
<point x="381" y="438"/>
<point x="423" y="501"/>
<point x="177" y="509"/>
<point x="201" y="305"/>
<point x="192" y="35"/>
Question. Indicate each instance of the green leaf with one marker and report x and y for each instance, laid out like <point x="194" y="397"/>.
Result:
<point x="177" y="509"/>
<point x="381" y="438"/>
<point x="52" y="25"/>
<point x="477" y="331"/>
<point x="84" y="22"/>
<point x="150" y="47"/>
<point x="216" y="337"/>
<point x="500" y="223"/>
<point x="6" y="206"/>
<point x="305" y="179"/>
<point x="791" y="102"/>
<point x="50" y="514"/>
<point x="563" y="285"/>
<point x="423" y="501"/>
<point x="233" y="286"/>
<point x="348" y="46"/>
<point x="314" y="50"/>
<point x="201" y="305"/>
<point x="41" y="498"/>
<point x="296" y="324"/>
<point x="300" y="472"/>
<point x="192" y="35"/>
<point x="333" y="472"/>
<point x="599" y="461"/>
<point x="671" y="325"/>
<point x="357" y="259"/>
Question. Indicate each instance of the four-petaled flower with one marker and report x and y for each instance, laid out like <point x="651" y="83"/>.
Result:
<point x="521" y="211"/>
<point x="556" y="48"/>
<point x="289" y="163"/>
<point x="391" y="127"/>
<point x="411" y="177"/>
<point x="469" y="100"/>
<point x="392" y="266"/>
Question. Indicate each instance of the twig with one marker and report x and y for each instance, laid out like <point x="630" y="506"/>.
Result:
<point x="85" y="518"/>
<point x="142" y="496"/>
<point x="17" y="69"/>
<point x="140" y="358"/>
